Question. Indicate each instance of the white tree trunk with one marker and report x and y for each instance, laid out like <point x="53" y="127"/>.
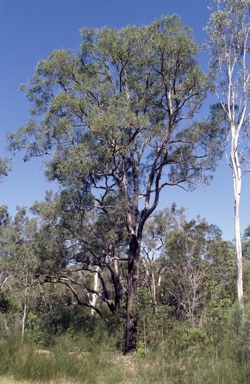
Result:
<point x="237" y="193"/>
<point x="96" y="287"/>
<point x="229" y="46"/>
<point x="24" y="319"/>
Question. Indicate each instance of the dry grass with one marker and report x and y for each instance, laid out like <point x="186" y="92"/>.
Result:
<point x="128" y="367"/>
<point x="10" y="380"/>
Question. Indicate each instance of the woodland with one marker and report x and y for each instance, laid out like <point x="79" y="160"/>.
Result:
<point x="97" y="283"/>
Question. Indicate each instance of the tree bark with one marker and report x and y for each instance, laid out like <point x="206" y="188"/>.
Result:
<point x="96" y="288"/>
<point x="117" y="284"/>
<point x="133" y="280"/>
<point x="238" y="245"/>
<point x="237" y="178"/>
<point x="238" y="255"/>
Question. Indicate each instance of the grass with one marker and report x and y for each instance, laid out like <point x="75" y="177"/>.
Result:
<point x="109" y="368"/>
<point x="127" y="371"/>
<point x="96" y="360"/>
<point x="11" y="380"/>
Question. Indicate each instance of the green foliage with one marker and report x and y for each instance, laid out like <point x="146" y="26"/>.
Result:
<point x="185" y="355"/>
<point x="183" y="341"/>
<point x="154" y="323"/>
<point x="111" y="116"/>
<point x="117" y="119"/>
<point x="239" y="330"/>
<point x="193" y="258"/>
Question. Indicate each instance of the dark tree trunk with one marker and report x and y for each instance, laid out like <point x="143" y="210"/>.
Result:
<point x="117" y="281"/>
<point x="132" y="310"/>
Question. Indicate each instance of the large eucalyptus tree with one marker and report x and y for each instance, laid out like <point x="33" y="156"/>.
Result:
<point x="228" y="29"/>
<point x="117" y="120"/>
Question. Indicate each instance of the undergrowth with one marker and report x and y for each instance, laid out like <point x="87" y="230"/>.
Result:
<point x="202" y="355"/>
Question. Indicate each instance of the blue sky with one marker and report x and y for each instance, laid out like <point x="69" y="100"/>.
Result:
<point x="31" y="29"/>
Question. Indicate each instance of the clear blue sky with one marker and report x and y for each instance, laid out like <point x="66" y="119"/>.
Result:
<point x="31" y="29"/>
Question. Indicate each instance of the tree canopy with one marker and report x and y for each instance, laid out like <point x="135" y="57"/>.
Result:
<point x="117" y="120"/>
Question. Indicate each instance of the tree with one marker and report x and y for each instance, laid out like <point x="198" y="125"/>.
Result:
<point x="228" y="44"/>
<point x="117" y="120"/>
<point x="75" y="248"/>
<point x="156" y="231"/>
<point x="191" y="259"/>
<point x="18" y="261"/>
<point x="4" y="167"/>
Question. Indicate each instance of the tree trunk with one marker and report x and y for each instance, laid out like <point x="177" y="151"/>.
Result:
<point x="118" y="284"/>
<point x="153" y="289"/>
<point x="24" y="307"/>
<point x="238" y="246"/>
<point x="96" y="288"/>
<point x="237" y="192"/>
<point x="24" y="319"/>
<point x="132" y="310"/>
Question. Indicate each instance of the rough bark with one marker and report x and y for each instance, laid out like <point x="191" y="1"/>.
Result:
<point x="132" y="291"/>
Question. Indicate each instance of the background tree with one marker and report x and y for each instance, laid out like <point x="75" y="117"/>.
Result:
<point x="117" y="120"/>
<point x="228" y="44"/>
<point x="187" y="280"/>
<point x="18" y="263"/>
<point x="191" y="261"/>
<point x="156" y="232"/>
